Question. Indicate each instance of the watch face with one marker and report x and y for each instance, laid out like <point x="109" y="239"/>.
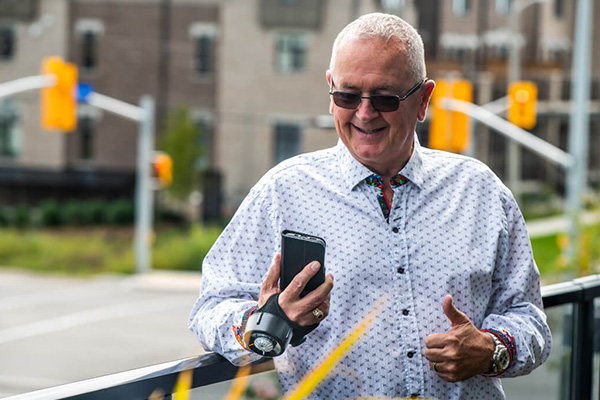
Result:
<point x="503" y="359"/>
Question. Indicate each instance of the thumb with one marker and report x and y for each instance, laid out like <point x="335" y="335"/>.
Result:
<point x="455" y="316"/>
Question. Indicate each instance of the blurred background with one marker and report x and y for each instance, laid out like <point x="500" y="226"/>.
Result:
<point x="238" y="86"/>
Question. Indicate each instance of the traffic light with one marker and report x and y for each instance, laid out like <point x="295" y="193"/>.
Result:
<point x="522" y="104"/>
<point x="162" y="169"/>
<point x="450" y="130"/>
<point x="58" y="102"/>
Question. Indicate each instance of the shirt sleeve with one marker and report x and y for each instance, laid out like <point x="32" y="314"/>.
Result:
<point x="232" y="275"/>
<point x="516" y="302"/>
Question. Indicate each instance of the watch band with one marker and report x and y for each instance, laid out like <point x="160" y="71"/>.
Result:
<point x="504" y="352"/>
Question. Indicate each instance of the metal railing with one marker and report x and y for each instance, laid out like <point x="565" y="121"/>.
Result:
<point x="211" y="368"/>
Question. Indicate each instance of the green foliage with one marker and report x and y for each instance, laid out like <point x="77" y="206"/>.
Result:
<point x="120" y="212"/>
<point x="84" y="251"/>
<point x="183" y="249"/>
<point x="181" y="141"/>
<point x="74" y="252"/>
<point x="50" y="213"/>
<point x="22" y="217"/>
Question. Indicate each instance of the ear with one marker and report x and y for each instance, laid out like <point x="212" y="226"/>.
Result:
<point x="328" y="76"/>
<point x="426" y="93"/>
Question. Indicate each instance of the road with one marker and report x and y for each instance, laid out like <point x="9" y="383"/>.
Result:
<point x="57" y="330"/>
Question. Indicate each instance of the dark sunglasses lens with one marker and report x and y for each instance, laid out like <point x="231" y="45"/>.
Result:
<point x="385" y="103"/>
<point x="346" y="100"/>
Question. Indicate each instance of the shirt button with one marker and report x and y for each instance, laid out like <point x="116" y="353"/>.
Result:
<point x="395" y="230"/>
<point x="410" y="354"/>
<point x="400" y="270"/>
<point x="404" y="312"/>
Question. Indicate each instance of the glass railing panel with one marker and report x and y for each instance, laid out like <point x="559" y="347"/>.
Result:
<point x="261" y="386"/>
<point x="551" y="380"/>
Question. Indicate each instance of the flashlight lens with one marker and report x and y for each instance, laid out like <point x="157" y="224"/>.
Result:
<point x="264" y="344"/>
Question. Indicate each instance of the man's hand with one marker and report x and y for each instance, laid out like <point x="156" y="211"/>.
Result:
<point x="462" y="352"/>
<point x="295" y="308"/>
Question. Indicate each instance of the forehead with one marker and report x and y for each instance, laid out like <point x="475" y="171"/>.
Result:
<point x="370" y="63"/>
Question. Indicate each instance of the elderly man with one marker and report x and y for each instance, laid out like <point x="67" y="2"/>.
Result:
<point x="436" y="232"/>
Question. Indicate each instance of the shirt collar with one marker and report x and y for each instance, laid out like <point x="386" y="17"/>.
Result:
<point x="353" y="172"/>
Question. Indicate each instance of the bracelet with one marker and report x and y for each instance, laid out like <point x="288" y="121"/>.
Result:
<point x="239" y="325"/>
<point x="507" y="340"/>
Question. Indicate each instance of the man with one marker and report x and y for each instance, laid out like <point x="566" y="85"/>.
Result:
<point x="436" y="231"/>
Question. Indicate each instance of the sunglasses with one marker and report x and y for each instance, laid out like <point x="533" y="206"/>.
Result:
<point x="379" y="102"/>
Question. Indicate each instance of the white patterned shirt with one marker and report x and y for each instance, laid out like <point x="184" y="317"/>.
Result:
<point x="454" y="228"/>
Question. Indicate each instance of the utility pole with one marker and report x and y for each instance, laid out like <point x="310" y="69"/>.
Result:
<point x="579" y="125"/>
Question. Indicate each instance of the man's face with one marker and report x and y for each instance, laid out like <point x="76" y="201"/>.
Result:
<point x="382" y="141"/>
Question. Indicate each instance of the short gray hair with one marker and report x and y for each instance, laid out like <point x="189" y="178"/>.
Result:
<point x="386" y="26"/>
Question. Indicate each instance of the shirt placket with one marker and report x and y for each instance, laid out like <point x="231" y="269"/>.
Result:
<point x="404" y="308"/>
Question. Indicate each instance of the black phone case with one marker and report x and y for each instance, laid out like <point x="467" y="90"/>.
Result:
<point x="298" y="250"/>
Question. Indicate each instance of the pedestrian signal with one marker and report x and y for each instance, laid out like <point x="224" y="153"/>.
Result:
<point x="522" y="104"/>
<point x="450" y="130"/>
<point x="58" y="102"/>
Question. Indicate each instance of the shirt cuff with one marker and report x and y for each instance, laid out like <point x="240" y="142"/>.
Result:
<point x="240" y="319"/>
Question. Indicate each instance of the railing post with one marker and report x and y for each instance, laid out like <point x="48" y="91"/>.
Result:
<point x="582" y="361"/>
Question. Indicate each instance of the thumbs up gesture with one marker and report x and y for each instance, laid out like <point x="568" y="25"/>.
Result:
<point x="463" y="351"/>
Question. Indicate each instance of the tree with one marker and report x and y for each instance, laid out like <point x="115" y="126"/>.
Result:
<point x="182" y="141"/>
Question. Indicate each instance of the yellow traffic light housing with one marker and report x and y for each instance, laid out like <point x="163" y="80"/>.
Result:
<point x="522" y="104"/>
<point x="58" y="102"/>
<point x="450" y="130"/>
<point x="162" y="169"/>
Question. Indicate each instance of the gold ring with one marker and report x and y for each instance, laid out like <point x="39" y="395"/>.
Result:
<point x="435" y="366"/>
<point x="318" y="313"/>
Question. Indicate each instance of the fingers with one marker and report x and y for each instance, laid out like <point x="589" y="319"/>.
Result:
<point x="270" y="285"/>
<point x="300" y="310"/>
<point x="297" y="284"/>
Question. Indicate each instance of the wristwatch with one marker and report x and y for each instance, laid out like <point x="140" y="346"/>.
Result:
<point x="501" y="357"/>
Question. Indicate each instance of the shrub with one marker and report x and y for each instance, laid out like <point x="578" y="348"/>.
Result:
<point x="73" y="213"/>
<point x="120" y="212"/>
<point x="93" y="211"/>
<point x="50" y="213"/>
<point x="22" y="216"/>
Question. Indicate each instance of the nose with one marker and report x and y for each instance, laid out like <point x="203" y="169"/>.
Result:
<point x="365" y="110"/>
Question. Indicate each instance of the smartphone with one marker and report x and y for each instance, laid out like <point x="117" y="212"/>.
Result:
<point x="298" y="250"/>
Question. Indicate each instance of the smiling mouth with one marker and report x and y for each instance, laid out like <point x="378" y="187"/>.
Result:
<point x="368" y="131"/>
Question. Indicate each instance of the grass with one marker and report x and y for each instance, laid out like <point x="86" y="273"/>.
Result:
<point x="553" y="267"/>
<point x="86" y="251"/>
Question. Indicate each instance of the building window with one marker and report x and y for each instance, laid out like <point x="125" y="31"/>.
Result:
<point x="460" y="7"/>
<point x="89" y="50"/>
<point x="291" y="52"/>
<point x="89" y="32"/>
<point x="504" y="7"/>
<point x="204" y="55"/>
<point x="393" y="5"/>
<point x="205" y="143"/>
<point x="86" y="127"/>
<point x="559" y="8"/>
<point x="203" y="38"/>
<point x="7" y="43"/>
<point x="8" y="129"/>
<point x="287" y="141"/>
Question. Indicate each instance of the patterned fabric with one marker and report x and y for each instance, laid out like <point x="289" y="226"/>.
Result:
<point x="454" y="228"/>
<point x="377" y="181"/>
